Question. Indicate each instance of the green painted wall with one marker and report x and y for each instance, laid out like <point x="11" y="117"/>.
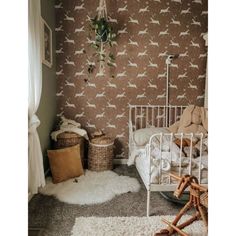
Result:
<point x="47" y="107"/>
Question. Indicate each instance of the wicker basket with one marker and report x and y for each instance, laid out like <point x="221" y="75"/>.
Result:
<point x="100" y="154"/>
<point x="68" y="139"/>
<point x="204" y="199"/>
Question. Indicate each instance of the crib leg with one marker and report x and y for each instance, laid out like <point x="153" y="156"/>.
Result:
<point x="148" y="202"/>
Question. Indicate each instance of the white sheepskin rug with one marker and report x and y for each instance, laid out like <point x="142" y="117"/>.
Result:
<point x="129" y="226"/>
<point x="91" y="188"/>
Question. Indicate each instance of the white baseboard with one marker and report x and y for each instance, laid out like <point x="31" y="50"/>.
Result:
<point x="120" y="161"/>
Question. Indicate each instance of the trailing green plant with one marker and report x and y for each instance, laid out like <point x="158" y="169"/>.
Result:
<point x="103" y="35"/>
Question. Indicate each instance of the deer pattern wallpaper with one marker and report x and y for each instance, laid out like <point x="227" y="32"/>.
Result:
<point x="147" y="31"/>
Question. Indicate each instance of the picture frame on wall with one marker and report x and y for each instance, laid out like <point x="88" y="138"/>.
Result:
<point x="46" y="44"/>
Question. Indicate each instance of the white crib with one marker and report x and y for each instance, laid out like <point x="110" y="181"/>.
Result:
<point x="152" y="172"/>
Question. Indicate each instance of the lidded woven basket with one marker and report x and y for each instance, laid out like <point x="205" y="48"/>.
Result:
<point x="68" y="139"/>
<point x="100" y="153"/>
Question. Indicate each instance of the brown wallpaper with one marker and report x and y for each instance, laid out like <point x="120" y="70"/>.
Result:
<point x="147" y="31"/>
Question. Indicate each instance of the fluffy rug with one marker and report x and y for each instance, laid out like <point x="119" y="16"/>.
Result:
<point x="129" y="226"/>
<point x="91" y="188"/>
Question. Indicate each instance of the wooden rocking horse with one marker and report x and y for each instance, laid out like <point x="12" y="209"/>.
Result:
<point x="198" y="199"/>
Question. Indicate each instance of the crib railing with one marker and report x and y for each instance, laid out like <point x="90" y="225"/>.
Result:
<point x="162" y="139"/>
<point x="142" y="116"/>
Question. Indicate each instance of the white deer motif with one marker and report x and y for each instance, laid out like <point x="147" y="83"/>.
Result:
<point x="100" y="73"/>
<point x="123" y="31"/>
<point x="121" y="155"/>
<point x="89" y="41"/>
<point x="163" y="32"/>
<point x="202" y="55"/>
<point x="67" y="40"/>
<point x="134" y="21"/>
<point x="122" y="74"/>
<point x="162" y="75"/>
<point x="131" y="85"/>
<point x="204" y="13"/>
<point x="78" y="30"/>
<point x="59" y="28"/>
<point x="69" y="18"/>
<point x="186" y="11"/>
<point x="91" y="85"/>
<point x="79" y="7"/>
<point x="177" y="1"/>
<point x="132" y="42"/>
<point x="185" y="54"/>
<point x="182" y="76"/>
<point x="109" y="125"/>
<point x="122" y="135"/>
<point x="79" y="115"/>
<point x="142" y="32"/>
<point x="141" y="75"/>
<point x="201" y="76"/>
<point x="90" y="105"/>
<point x="60" y="114"/>
<point x="192" y="86"/>
<point x="152" y="21"/>
<point x="131" y="64"/>
<point x="184" y="33"/>
<point x="175" y="22"/>
<point x="69" y="84"/>
<point x="195" y="22"/>
<point x="58" y="6"/>
<point x="152" y="85"/>
<point x="152" y="43"/>
<point x="78" y="52"/>
<point x="142" y="10"/>
<point x="200" y="96"/>
<point x="121" y="9"/>
<point x="193" y="65"/>
<point x="122" y="53"/>
<point x="161" y="95"/>
<point x="162" y="54"/>
<point x="164" y="10"/>
<point x="174" y="44"/>
<point x="151" y="64"/>
<point x="112" y="20"/>
<point x="197" y="1"/>
<point x="122" y="115"/>
<point x="80" y="73"/>
<point x="79" y="94"/>
<point x="89" y="125"/>
<point x="182" y="96"/>
<point x="70" y="105"/>
<point x="141" y="54"/>
<point x="174" y="86"/>
<point x="194" y="44"/>
<point x="141" y="95"/>
<point x="60" y="72"/>
<point x="59" y="50"/>
<point x="69" y="62"/>
<point x="101" y="115"/>
<point x="109" y="84"/>
<point x="120" y="95"/>
<point x="60" y="93"/>
<point x="100" y="95"/>
<point x="109" y="105"/>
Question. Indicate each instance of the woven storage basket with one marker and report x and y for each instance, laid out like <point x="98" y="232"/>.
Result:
<point x="204" y="199"/>
<point x="100" y="154"/>
<point x="68" y="139"/>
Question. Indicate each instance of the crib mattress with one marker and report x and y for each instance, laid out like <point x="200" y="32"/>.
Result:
<point x="142" y="165"/>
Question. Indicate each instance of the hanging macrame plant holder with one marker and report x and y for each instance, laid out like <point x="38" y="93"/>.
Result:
<point x="102" y="32"/>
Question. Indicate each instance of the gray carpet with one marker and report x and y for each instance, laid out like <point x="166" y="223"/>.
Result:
<point x="55" y="218"/>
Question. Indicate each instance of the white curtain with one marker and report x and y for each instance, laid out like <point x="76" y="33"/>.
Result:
<point x="35" y="158"/>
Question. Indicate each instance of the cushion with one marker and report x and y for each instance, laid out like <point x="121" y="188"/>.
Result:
<point x="65" y="163"/>
<point x="142" y="136"/>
